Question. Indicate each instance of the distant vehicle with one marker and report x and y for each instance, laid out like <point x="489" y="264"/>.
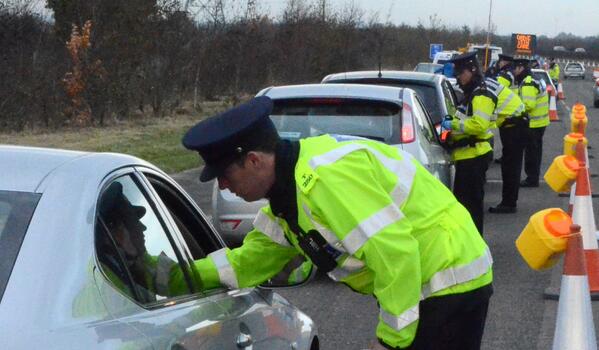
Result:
<point x="98" y="252"/>
<point x="542" y="76"/>
<point x="490" y="52"/>
<point x="445" y="56"/>
<point x="427" y="67"/>
<point x="391" y="115"/>
<point x="596" y="94"/>
<point x="559" y="48"/>
<point x="580" y="50"/>
<point x="574" y="70"/>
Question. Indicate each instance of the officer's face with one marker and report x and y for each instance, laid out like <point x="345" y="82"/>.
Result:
<point x="518" y="70"/>
<point x="252" y="179"/>
<point x="464" y="76"/>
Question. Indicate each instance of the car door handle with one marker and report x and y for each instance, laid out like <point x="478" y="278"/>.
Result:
<point x="244" y="340"/>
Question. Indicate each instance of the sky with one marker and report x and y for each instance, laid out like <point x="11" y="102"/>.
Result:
<point x="548" y="17"/>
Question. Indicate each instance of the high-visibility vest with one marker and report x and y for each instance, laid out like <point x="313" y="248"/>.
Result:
<point x="554" y="72"/>
<point x="536" y="101"/>
<point x="366" y="199"/>
<point x="475" y="123"/>
<point x="509" y="104"/>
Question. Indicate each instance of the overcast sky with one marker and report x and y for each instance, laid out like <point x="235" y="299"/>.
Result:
<point x="548" y="17"/>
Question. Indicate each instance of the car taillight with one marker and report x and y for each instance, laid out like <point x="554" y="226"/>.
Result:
<point x="407" y="124"/>
<point x="597" y="82"/>
<point x="229" y="224"/>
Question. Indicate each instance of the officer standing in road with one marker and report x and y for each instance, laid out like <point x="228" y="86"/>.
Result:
<point x="366" y="213"/>
<point x="536" y="102"/>
<point x="469" y="138"/>
<point x="554" y="71"/>
<point x="513" y="131"/>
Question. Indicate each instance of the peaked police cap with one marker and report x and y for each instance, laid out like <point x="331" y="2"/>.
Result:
<point x="508" y="58"/>
<point x="464" y="61"/>
<point x="224" y="138"/>
<point x="521" y="62"/>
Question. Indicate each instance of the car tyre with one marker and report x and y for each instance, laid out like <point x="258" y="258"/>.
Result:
<point x="596" y="103"/>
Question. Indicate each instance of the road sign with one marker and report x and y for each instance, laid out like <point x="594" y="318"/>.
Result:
<point x="434" y="48"/>
<point x="524" y="43"/>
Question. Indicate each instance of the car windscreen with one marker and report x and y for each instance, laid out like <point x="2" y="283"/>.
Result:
<point x="542" y="76"/>
<point x="16" y="210"/>
<point x="300" y="118"/>
<point x="427" y="93"/>
<point x="428" y="67"/>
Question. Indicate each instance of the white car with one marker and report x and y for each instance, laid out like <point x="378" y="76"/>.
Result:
<point x="396" y="116"/>
<point x="574" y="70"/>
<point x="542" y="76"/>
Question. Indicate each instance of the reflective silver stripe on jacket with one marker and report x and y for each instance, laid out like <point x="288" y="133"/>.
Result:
<point x="457" y="275"/>
<point x="535" y="117"/>
<point x="505" y="103"/>
<point x="370" y="226"/>
<point x="529" y="98"/>
<point x="348" y="267"/>
<point x="271" y="228"/>
<point x="482" y="114"/>
<point x="402" y="321"/>
<point x="225" y="270"/>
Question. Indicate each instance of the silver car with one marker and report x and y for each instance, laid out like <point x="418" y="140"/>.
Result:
<point x="392" y="115"/>
<point x="596" y="94"/>
<point x="97" y="253"/>
<point x="574" y="70"/>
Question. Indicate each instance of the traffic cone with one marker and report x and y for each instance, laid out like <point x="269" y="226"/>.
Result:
<point x="582" y="214"/>
<point x="560" y="91"/>
<point x="574" y="325"/>
<point x="552" y="107"/>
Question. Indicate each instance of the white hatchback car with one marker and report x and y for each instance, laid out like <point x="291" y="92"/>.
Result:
<point x="393" y="115"/>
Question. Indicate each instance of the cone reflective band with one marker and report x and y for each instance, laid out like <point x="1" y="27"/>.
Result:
<point x="560" y="91"/>
<point x="583" y="215"/>
<point x="570" y="142"/>
<point x="574" y="325"/>
<point x="544" y="238"/>
<point x="562" y="173"/>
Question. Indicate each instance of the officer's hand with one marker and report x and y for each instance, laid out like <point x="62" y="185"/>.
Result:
<point x="446" y="124"/>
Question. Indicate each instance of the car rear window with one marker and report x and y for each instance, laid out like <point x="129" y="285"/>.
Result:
<point x="299" y="118"/>
<point x="16" y="210"/>
<point x="574" y="67"/>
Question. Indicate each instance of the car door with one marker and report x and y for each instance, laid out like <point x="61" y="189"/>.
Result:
<point x="439" y="161"/>
<point x="249" y="320"/>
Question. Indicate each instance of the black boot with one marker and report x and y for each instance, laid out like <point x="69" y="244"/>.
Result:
<point x="502" y="209"/>
<point x="529" y="183"/>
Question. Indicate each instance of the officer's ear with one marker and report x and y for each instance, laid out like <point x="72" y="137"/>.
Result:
<point x="253" y="158"/>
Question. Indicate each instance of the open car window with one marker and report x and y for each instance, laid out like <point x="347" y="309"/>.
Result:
<point x="134" y="248"/>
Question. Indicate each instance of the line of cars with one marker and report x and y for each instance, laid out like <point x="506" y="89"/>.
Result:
<point x="400" y="108"/>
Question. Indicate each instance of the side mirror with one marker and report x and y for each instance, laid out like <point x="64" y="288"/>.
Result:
<point x="297" y="272"/>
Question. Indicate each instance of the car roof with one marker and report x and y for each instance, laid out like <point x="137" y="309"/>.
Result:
<point x="358" y="91"/>
<point x="31" y="166"/>
<point x="386" y="74"/>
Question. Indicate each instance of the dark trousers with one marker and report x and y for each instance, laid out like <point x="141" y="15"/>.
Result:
<point x="453" y="322"/>
<point x="533" y="154"/>
<point x="513" y="140"/>
<point x="468" y="186"/>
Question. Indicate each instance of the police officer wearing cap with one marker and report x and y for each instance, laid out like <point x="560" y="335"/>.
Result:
<point x="470" y="134"/>
<point x="502" y="71"/>
<point x="536" y="100"/>
<point x="354" y="208"/>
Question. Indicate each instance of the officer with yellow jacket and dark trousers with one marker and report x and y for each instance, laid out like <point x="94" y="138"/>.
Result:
<point x="366" y="213"/>
<point x="536" y="102"/>
<point x="502" y="71"/>
<point x="512" y="122"/>
<point x="469" y="137"/>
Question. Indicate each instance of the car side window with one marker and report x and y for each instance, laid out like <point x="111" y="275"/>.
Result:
<point x="134" y="248"/>
<point x="196" y="232"/>
<point x="449" y="97"/>
<point x="422" y="120"/>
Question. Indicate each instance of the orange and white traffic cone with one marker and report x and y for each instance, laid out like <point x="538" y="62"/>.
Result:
<point x="582" y="214"/>
<point x="560" y="91"/>
<point x="574" y="325"/>
<point x="553" y="107"/>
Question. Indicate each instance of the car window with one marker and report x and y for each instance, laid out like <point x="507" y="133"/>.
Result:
<point x="134" y="248"/>
<point x="541" y="76"/>
<point x="197" y="234"/>
<point x="299" y="118"/>
<point x="574" y="67"/>
<point x="449" y="97"/>
<point x="425" y="129"/>
<point x="16" y="210"/>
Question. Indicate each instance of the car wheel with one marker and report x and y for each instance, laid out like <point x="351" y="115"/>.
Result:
<point x="596" y="103"/>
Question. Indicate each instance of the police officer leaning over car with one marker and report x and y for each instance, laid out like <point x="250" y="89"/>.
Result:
<point x="470" y="134"/>
<point x="536" y="101"/>
<point x="366" y="213"/>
